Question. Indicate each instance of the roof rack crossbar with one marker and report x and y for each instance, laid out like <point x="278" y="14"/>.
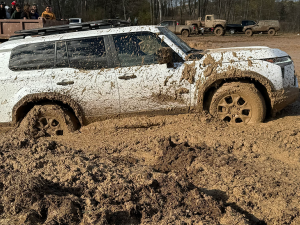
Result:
<point x="99" y="24"/>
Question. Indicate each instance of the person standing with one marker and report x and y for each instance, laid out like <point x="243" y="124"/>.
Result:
<point x="34" y="12"/>
<point x="2" y="11"/>
<point x="7" y="10"/>
<point x="13" y="8"/>
<point x="17" y="13"/>
<point x="26" y="12"/>
<point x="47" y="14"/>
<point x="136" y="21"/>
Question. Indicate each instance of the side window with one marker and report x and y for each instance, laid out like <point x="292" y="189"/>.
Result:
<point x="32" y="56"/>
<point x="88" y="54"/>
<point x="136" y="49"/>
<point x="164" y="23"/>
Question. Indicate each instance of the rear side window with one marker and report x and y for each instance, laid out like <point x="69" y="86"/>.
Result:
<point x="87" y="53"/>
<point x="32" y="56"/>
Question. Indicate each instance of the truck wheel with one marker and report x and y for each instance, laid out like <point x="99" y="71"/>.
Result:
<point x="271" y="32"/>
<point x="249" y="32"/>
<point x="185" y="33"/>
<point x="52" y="120"/>
<point x="238" y="103"/>
<point x="219" y="31"/>
<point x="232" y="31"/>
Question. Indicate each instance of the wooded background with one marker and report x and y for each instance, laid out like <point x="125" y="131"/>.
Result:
<point x="152" y="11"/>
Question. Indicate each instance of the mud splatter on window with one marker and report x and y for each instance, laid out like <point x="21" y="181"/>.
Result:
<point x="136" y="49"/>
<point x="87" y="53"/>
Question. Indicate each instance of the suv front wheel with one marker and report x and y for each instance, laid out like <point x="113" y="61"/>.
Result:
<point x="238" y="103"/>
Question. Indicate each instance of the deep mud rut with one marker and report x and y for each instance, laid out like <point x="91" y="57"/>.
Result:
<point x="184" y="169"/>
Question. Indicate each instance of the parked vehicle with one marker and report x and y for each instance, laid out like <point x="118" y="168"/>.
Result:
<point x="173" y="25"/>
<point x="238" y="28"/>
<point x="270" y="27"/>
<point x="210" y="24"/>
<point x="9" y="26"/>
<point x="69" y="77"/>
<point x="75" y="20"/>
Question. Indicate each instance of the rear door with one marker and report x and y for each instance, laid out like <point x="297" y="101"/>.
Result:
<point x="144" y="84"/>
<point x="84" y="72"/>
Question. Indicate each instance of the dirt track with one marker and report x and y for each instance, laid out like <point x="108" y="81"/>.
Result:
<point x="159" y="170"/>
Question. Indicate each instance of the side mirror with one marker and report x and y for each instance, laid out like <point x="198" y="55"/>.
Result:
<point x="165" y="55"/>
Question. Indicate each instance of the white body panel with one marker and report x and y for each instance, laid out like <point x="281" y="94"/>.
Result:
<point x="149" y="90"/>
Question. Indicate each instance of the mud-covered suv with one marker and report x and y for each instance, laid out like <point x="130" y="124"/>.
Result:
<point x="67" y="79"/>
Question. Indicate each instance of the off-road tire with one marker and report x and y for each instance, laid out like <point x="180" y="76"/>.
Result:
<point x="185" y="33"/>
<point x="232" y="31"/>
<point x="238" y="103"/>
<point x="52" y="120"/>
<point x="219" y="31"/>
<point x="271" y="32"/>
<point x="249" y="32"/>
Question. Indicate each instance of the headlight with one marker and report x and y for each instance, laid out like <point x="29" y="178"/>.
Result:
<point x="278" y="59"/>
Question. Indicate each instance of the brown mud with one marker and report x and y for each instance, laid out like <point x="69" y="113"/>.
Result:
<point x="182" y="169"/>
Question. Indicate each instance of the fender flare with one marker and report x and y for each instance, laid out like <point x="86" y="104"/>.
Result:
<point x="30" y="100"/>
<point x="215" y="80"/>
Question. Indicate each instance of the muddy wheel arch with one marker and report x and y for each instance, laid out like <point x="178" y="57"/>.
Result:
<point x="29" y="101"/>
<point x="206" y="90"/>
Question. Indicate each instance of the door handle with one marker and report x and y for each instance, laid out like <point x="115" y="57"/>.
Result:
<point x="127" y="77"/>
<point x="65" y="82"/>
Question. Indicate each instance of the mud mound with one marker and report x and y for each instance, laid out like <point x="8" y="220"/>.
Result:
<point x="43" y="182"/>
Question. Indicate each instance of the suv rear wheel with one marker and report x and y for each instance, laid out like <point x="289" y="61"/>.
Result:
<point x="52" y="120"/>
<point x="272" y="32"/>
<point x="238" y="103"/>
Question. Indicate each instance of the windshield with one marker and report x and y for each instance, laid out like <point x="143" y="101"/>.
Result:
<point x="74" y="20"/>
<point x="176" y="40"/>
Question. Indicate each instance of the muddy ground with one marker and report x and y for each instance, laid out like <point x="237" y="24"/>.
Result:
<point x="182" y="169"/>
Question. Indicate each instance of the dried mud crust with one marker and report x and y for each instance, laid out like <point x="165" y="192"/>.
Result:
<point x="238" y="102"/>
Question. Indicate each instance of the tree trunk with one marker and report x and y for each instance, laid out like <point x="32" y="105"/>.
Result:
<point x="124" y="9"/>
<point x="160" y="13"/>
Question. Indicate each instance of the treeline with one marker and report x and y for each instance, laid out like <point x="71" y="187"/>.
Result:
<point x="152" y="11"/>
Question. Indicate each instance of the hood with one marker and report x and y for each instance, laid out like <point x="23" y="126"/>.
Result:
<point x="237" y="54"/>
<point x="249" y="26"/>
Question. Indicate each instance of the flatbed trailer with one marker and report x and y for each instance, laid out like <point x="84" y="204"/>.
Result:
<point x="9" y="26"/>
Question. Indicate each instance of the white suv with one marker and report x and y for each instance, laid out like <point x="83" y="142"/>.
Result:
<point x="99" y="73"/>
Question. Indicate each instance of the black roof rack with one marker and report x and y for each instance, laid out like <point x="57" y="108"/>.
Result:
<point x="92" y="25"/>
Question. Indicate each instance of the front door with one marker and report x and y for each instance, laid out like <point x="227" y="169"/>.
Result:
<point x="144" y="84"/>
